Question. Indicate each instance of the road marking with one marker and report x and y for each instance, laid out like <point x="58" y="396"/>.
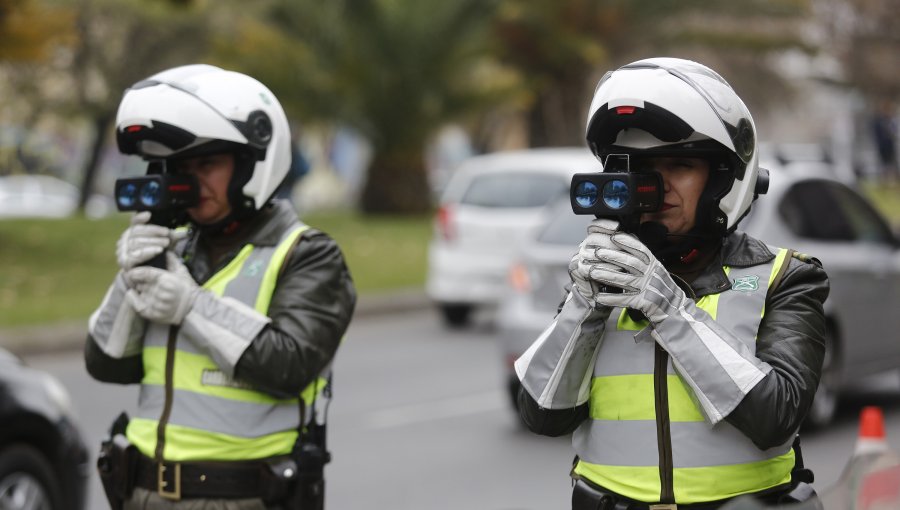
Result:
<point x="453" y="407"/>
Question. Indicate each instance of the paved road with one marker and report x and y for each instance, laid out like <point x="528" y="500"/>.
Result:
<point x="420" y="420"/>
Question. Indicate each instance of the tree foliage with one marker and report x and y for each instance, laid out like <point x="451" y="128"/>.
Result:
<point x="120" y="42"/>
<point x="395" y="70"/>
<point x="563" y="47"/>
<point x="29" y="30"/>
<point x="864" y="36"/>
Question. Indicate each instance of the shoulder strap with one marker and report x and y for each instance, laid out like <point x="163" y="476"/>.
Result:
<point x="290" y="251"/>
<point x="780" y="274"/>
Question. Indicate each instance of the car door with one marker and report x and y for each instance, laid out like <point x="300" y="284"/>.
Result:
<point x="878" y="253"/>
<point x="836" y="225"/>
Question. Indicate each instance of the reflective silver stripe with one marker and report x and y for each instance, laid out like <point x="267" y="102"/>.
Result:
<point x="745" y="326"/>
<point x="157" y="335"/>
<point x="621" y="354"/>
<point x="219" y="415"/>
<point x="633" y="443"/>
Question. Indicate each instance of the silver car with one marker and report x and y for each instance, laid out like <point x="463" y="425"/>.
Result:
<point x="491" y="204"/>
<point x="805" y="210"/>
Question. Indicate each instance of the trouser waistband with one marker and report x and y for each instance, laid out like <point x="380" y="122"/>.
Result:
<point x="587" y="496"/>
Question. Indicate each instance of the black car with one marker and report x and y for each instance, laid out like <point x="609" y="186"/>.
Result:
<point x="44" y="464"/>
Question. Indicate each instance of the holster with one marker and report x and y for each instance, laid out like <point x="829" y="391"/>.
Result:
<point x="586" y="497"/>
<point x="116" y="464"/>
<point x="297" y="482"/>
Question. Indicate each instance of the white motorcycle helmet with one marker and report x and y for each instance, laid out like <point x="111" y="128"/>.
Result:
<point x="200" y="109"/>
<point x="670" y="106"/>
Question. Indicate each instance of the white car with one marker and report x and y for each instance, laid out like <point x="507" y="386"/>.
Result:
<point x="805" y="209"/>
<point x="44" y="196"/>
<point x="491" y="204"/>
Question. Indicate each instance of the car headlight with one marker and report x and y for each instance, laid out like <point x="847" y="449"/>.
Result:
<point x="58" y="394"/>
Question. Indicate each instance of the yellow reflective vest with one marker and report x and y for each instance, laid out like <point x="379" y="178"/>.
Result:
<point x="189" y="409"/>
<point x="646" y="438"/>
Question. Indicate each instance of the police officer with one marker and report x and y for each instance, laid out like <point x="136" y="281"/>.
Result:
<point x="231" y="341"/>
<point x="686" y="354"/>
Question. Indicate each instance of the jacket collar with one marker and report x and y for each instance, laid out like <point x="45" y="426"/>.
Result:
<point x="738" y="250"/>
<point x="207" y="253"/>
<point x="267" y="227"/>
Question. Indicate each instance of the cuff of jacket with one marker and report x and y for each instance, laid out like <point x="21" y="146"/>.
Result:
<point x="556" y="370"/>
<point x="115" y="327"/>
<point x="223" y="328"/>
<point x="720" y="369"/>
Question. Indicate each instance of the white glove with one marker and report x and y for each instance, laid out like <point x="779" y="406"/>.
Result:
<point x="141" y="242"/>
<point x="163" y="296"/>
<point x="114" y="326"/>
<point x="599" y="236"/>
<point x="646" y="284"/>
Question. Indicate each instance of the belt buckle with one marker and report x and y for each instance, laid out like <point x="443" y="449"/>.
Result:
<point x="664" y="506"/>
<point x="162" y="487"/>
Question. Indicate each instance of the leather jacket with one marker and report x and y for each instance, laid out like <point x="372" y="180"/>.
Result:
<point x="311" y="307"/>
<point x="790" y="339"/>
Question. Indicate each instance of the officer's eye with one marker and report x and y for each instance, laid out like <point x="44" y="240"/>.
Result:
<point x="681" y="165"/>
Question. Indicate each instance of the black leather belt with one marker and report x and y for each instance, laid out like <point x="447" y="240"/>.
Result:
<point x="220" y="480"/>
<point x="587" y="496"/>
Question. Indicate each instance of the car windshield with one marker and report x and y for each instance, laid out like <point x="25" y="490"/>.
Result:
<point x="565" y="227"/>
<point x="514" y="189"/>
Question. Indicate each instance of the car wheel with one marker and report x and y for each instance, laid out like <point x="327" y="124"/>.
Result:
<point x="825" y="402"/>
<point x="456" y="316"/>
<point x="27" y="481"/>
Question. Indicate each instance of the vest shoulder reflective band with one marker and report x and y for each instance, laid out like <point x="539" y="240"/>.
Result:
<point x="617" y="446"/>
<point x="213" y="416"/>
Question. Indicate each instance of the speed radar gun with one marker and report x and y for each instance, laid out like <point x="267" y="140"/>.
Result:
<point x="167" y="196"/>
<point x="617" y="193"/>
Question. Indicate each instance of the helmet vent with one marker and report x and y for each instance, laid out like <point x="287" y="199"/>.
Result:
<point x="257" y="129"/>
<point x="743" y="139"/>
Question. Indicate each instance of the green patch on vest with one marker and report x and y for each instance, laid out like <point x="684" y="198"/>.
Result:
<point x="749" y="283"/>
<point x="254" y="268"/>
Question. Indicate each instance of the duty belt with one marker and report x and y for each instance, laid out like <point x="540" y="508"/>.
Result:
<point x="180" y="480"/>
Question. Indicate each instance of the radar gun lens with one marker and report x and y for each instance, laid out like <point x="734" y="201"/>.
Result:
<point x="127" y="196"/>
<point x="615" y="194"/>
<point x="150" y="194"/>
<point x="586" y="194"/>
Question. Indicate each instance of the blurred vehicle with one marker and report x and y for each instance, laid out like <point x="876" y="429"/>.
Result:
<point x="806" y="210"/>
<point x="44" y="196"/>
<point x="490" y="205"/>
<point x="43" y="459"/>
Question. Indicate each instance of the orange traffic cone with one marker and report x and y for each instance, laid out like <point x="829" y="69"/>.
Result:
<point x="878" y="478"/>
<point x="871" y="437"/>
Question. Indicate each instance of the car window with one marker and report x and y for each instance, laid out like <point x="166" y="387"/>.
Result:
<point x="514" y="189"/>
<point x="866" y="223"/>
<point x="565" y="227"/>
<point x="809" y="211"/>
<point x="830" y="211"/>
